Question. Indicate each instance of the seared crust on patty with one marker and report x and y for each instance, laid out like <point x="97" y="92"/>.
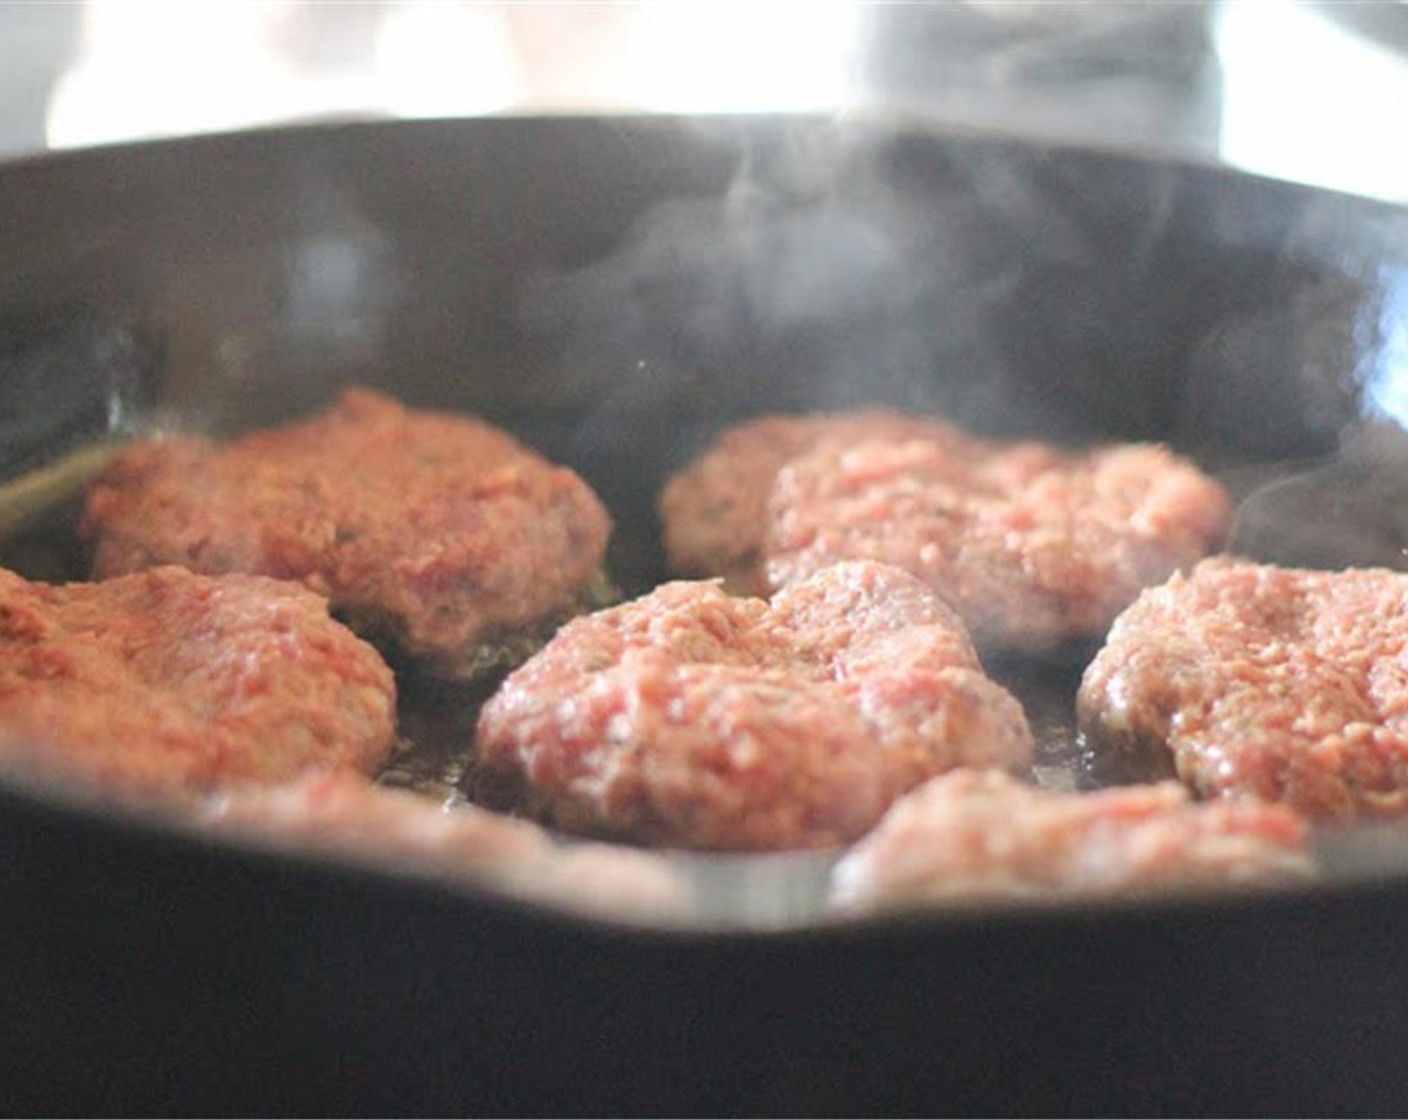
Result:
<point x="436" y="533"/>
<point x="1272" y="683"/>
<point x="692" y="718"/>
<point x="167" y="680"/>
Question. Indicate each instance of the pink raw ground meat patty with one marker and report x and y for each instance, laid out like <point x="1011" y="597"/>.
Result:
<point x="695" y="719"/>
<point x="1264" y="682"/>
<point x="168" y="680"/>
<point x="345" y="815"/>
<point x="437" y="533"/>
<point x="974" y="835"/>
<point x="1030" y="544"/>
<point x="715" y="511"/>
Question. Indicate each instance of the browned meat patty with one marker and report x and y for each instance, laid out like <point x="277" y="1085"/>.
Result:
<point x="1030" y="544"/>
<point x="974" y="835"/>
<point x="344" y="815"/>
<point x="1264" y="682"/>
<point x="715" y="511"/>
<point x="695" y="719"/>
<point x="436" y="532"/>
<point x="168" y="680"/>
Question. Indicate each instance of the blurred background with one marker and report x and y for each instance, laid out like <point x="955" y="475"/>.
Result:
<point x="1304" y="90"/>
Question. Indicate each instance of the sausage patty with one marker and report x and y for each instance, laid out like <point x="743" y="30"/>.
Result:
<point x="974" y="835"/>
<point x="715" y="512"/>
<point x="692" y="718"/>
<point x="1257" y="681"/>
<point x="437" y="533"/>
<point x="168" y="680"/>
<point x="1032" y="545"/>
<point x="344" y="815"/>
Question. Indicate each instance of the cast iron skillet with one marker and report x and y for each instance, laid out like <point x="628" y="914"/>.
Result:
<point x="615" y="291"/>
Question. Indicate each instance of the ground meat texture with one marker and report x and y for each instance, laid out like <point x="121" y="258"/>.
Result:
<point x="347" y="816"/>
<point x="714" y="512"/>
<point x="692" y="718"/>
<point x="169" y="681"/>
<point x="1031" y="545"/>
<point x="1263" y="682"/>
<point x="970" y="836"/>
<point x="435" y="533"/>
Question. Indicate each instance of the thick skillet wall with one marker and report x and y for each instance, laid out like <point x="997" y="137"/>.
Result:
<point x="615" y="291"/>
